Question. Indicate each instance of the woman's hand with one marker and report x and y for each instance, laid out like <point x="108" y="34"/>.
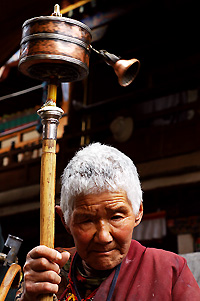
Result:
<point x="41" y="272"/>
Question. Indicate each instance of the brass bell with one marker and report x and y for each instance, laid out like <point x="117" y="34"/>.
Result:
<point x="126" y="70"/>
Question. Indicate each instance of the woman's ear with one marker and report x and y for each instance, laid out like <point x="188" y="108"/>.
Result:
<point x="139" y="216"/>
<point x="60" y="213"/>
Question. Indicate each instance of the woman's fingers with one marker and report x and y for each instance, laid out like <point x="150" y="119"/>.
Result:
<point x="50" y="254"/>
<point x="41" y="271"/>
<point x="41" y="264"/>
<point x="46" y="276"/>
<point x="39" y="288"/>
<point x="43" y="251"/>
<point x="65" y="258"/>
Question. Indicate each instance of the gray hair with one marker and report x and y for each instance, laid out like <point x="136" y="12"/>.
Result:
<point x="95" y="169"/>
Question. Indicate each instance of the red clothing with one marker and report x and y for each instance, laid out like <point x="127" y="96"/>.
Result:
<point x="151" y="274"/>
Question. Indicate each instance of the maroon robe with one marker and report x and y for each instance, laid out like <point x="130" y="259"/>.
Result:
<point x="151" y="274"/>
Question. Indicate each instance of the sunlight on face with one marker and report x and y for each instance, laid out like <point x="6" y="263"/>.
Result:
<point x="102" y="226"/>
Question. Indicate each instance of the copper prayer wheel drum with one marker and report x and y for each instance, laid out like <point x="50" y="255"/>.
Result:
<point x="55" y="48"/>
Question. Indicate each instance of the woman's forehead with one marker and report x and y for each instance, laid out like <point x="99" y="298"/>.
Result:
<point x="108" y="199"/>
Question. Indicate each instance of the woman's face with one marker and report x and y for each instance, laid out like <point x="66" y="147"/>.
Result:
<point x="102" y="226"/>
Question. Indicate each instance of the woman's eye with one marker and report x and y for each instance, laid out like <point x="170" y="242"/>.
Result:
<point x="117" y="217"/>
<point x="87" y="221"/>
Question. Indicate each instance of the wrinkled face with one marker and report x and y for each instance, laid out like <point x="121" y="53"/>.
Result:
<point x="102" y="226"/>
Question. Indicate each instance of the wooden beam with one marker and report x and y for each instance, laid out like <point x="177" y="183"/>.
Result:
<point x="19" y="208"/>
<point x="74" y="6"/>
<point x="170" y="181"/>
<point x="22" y="193"/>
<point x="170" y="166"/>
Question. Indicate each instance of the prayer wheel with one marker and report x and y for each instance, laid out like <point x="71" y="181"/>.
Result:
<point x="54" y="47"/>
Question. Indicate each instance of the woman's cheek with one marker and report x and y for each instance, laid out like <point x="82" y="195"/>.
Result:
<point x="124" y="231"/>
<point x="83" y="235"/>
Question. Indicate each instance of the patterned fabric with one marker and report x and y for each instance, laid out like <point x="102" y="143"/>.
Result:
<point x="70" y="294"/>
<point x="87" y="286"/>
<point x="88" y="282"/>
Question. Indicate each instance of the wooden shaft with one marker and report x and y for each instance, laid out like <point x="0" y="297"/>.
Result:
<point x="47" y="198"/>
<point x="52" y="92"/>
<point x="47" y="188"/>
<point x="47" y="193"/>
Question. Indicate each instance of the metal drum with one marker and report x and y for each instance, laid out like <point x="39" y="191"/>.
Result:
<point x="55" y="48"/>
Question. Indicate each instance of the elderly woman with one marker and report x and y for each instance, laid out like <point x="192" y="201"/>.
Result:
<point x="101" y="203"/>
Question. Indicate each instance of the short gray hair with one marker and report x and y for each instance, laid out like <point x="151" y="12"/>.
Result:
<point x="98" y="168"/>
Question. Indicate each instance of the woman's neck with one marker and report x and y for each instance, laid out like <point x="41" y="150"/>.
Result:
<point x="90" y="272"/>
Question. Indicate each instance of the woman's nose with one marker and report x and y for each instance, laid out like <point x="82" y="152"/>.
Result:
<point x="103" y="233"/>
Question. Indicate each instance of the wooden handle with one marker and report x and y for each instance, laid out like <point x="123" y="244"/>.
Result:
<point x="52" y="93"/>
<point x="47" y="197"/>
<point x="47" y="193"/>
<point x="48" y="173"/>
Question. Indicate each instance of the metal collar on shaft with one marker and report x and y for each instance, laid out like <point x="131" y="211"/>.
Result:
<point x="50" y="116"/>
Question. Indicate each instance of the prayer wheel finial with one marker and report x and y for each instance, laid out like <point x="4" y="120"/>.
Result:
<point x="56" y="12"/>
